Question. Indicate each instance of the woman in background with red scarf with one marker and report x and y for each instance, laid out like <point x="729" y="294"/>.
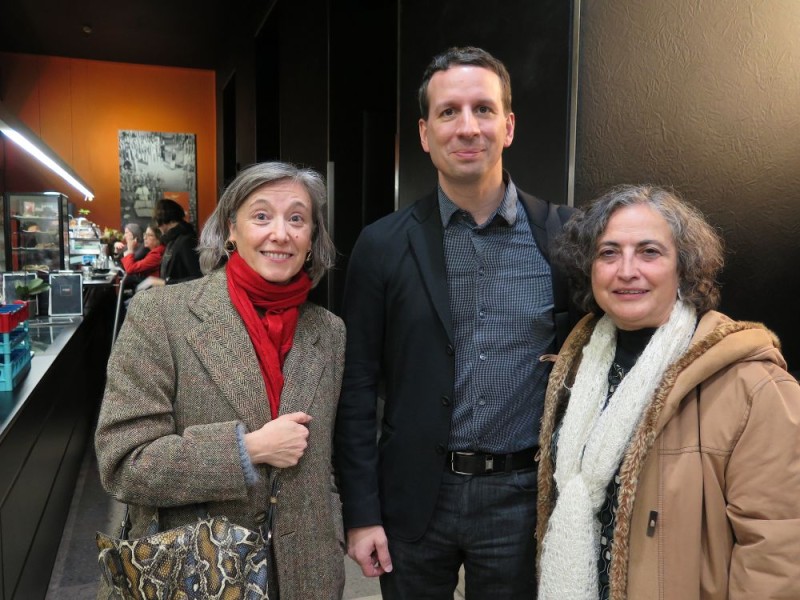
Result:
<point x="150" y="262"/>
<point x="216" y="384"/>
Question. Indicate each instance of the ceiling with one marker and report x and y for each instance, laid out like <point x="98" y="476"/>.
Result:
<point x="180" y="33"/>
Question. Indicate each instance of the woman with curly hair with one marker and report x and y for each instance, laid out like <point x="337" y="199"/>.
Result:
<point x="670" y="443"/>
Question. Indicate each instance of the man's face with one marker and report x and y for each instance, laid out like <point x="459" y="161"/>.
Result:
<point x="466" y="129"/>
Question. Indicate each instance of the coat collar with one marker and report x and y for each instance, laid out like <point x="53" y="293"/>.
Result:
<point x="223" y="347"/>
<point x="427" y="246"/>
<point x="717" y="343"/>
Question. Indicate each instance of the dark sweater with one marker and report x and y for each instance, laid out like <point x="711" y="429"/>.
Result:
<point x="181" y="261"/>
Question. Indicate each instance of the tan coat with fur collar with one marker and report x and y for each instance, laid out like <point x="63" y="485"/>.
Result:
<point x="709" y="504"/>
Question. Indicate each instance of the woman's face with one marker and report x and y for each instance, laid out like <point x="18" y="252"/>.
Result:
<point x="150" y="239"/>
<point x="635" y="270"/>
<point x="273" y="229"/>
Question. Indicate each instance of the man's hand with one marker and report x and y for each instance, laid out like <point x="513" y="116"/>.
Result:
<point x="370" y="549"/>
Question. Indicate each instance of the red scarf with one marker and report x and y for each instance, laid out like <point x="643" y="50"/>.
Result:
<point x="271" y="335"/>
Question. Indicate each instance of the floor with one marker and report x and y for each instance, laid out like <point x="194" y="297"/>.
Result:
<point x="75" y="572"/>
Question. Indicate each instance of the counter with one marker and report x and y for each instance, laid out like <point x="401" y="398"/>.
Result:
<point x="45" y="426"/>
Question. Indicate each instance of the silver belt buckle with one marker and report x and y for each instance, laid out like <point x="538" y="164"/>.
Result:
<point x="453" y="462"/>
<point x="489" y="464"/>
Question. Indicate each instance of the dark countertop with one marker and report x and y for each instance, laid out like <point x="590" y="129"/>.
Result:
<point x="49" y="335"/>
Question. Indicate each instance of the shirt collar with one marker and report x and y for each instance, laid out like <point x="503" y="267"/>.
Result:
<point x="507" y="209"/>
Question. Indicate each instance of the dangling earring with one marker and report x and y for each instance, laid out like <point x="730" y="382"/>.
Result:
<point x="680" y="294"/>
<point x="309" y="257"/>
<point x="229" y="247"/>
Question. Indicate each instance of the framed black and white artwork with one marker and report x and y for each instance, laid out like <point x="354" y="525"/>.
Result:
<point x="155" y="165"/>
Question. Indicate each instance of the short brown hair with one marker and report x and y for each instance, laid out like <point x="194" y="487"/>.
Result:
<point x="467" y="55"/>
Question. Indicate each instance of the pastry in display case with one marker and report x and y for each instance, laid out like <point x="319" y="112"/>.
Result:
<point x="35" y="233"/>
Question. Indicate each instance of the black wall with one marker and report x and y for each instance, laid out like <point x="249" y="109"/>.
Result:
<point x="332" y="85"/>
<point x="533" y="40"/>
<point x="704" y="97"/>
<point x="320" y="90"/>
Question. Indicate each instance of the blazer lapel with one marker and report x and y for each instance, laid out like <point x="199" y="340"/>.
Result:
<point x="427" y="246"/>
<point x="224" y="349"/>
<point x="304" y="365"/>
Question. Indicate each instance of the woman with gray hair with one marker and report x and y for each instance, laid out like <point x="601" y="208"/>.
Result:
<point x="670" y="442"/>
<point x="132" y="239"/>
<point x="217" y="384"/>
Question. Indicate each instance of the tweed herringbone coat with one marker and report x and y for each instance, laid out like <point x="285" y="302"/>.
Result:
<point x="182" y="375"/>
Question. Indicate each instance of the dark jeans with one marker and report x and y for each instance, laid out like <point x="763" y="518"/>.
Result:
<point x="485" y="522"/>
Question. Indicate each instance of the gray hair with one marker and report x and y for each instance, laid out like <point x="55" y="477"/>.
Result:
<point x="468" y="56"/>
<point x="216" y="230"/>
<point x="136" y="231"/>
<point x="699" y="247"/>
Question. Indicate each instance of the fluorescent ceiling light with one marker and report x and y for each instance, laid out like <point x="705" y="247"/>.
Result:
<point x="18" y="133"/>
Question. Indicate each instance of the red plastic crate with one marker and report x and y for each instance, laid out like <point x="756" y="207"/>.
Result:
<point x="12" y="315"/>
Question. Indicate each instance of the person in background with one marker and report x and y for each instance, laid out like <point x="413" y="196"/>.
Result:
<point x="132" y="238"/>
<point x="450" y="304"/>
<point x="239" y="381"/>
<point x="670" y="463"/>
<point x="180" y="261"/>
<point x="150" y="264"/>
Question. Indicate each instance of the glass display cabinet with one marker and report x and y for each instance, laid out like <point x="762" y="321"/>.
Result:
<point x="35" y="231"/>
<point x="85" y="245"/>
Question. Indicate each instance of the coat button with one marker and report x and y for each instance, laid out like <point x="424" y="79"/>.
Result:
<point x="440" y="448"/>
<point x="445" y="401"/>
<point x="261" y="517"/>
<point x="450" y="350"/>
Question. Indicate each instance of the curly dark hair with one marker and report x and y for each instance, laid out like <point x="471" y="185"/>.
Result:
<point x="699" y="247"/>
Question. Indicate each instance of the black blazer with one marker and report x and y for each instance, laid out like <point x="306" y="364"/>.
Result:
<point x="399" y="335"/>
<point x="180" y="261"/>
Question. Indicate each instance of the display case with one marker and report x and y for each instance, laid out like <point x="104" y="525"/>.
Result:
<point x="85" y="245"/>
<point x="35" y="231"/>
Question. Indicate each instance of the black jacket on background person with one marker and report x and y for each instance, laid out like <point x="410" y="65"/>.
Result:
<point x="181" y="261"/>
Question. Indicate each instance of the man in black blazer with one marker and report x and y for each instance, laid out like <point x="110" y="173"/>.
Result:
<point x="451" y="309"/>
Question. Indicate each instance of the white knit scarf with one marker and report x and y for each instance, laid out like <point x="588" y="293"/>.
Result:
<point x="591" y="445"/>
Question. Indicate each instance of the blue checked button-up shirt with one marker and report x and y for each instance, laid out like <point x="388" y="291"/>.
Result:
<point x="501" y="301"/>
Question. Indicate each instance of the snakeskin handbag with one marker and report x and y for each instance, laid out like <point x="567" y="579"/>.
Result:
<point x="206" y="560"/>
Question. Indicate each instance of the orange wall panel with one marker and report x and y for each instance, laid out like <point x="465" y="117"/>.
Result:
<point x="78" y="106"/>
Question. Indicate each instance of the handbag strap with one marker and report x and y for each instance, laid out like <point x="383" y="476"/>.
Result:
<point x="275" y="490"/>
<point x="125" y="525"/>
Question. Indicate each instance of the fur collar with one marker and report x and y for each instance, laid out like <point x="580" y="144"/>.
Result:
<point x="718" y="343"/>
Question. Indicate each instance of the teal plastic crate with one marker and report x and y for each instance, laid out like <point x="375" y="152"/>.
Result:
<point x="19" y="338"/>
<point x="15" y="365"/>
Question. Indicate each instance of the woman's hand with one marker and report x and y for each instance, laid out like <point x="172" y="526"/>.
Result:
<point x="150" y="282"/>
<point x="280" y="442"/>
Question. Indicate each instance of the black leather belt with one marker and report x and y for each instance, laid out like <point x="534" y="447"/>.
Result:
<point x="479" y="463"/>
